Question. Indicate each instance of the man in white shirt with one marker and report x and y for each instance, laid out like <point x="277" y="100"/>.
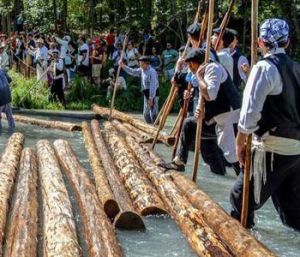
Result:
<point x="271" y="111"/>
<point x="4" y="59"/>
<point x="41" y="59"/>
<point x="83" y="57"/>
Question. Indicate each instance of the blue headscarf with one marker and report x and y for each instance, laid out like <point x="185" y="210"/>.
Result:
<point x="274" y="31"/>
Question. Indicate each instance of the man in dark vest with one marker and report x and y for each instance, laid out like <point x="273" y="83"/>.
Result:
<point x="5" y="99"/>
<point x="221" y="96"/>
<point x="271" y="111"/>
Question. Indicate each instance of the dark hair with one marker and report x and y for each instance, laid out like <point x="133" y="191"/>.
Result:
<point x="112" y="30"/>
<point x="271" y="46"/>
<point x="82" y="37"/>
<point x="227" y="39"/>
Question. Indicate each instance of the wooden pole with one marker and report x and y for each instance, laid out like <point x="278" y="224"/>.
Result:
<point x="224" y="24"/>
<point x="248" y="157"/>
<point x="176" y="123"/>
<point x="201" y="100"/>
<point x="117" y="77"/>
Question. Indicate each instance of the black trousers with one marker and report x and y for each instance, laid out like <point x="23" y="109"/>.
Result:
<point x="210" y="151"/>
<point x="282" y="185"/>
<point x="57" y="91"/>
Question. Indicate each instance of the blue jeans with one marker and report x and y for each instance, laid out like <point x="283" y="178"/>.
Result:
<point x="8" y="112"/>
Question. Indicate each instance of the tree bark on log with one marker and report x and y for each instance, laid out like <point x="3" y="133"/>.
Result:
<point x="67" y="126"/>
<point x="144" y="196"/>
<point x="240" y="241"/>
<point x="8" y="169"/>
<point x="104" y="192"/>
<point x="21" y="237"/>
<point x="199" y="235"/>
<point x="104" y="113"/>
<point x="59" y="230"/>
<point x="99" y="233"/>
<point x="127" y="129"/>
<point x="127" y="218"/>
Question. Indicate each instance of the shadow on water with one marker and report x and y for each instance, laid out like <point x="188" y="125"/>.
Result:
<point x="162" y="237"/>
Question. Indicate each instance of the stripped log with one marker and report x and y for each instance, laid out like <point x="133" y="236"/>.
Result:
<point x="144" y="196"/>
<point x="146" y="137"/>
<point x="104" y="113"/>
<point x="98" y="231"/>
<point x="67" y="126"/>
<point x="127" y="218"/>
<point x="8" y="168"/>
<point x="21" y="237"/>
<point x="199" y="235"/>
<point x="104" y="192"/>
<point x="240" y="241"/>
<point x="127" y="131"/>
<point x="59" y="230"/>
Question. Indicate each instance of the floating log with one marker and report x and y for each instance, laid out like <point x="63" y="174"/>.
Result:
<point x="98" y="231"/>
<point x="127" y="129"/>
<point x="127" y="218"/>
<point x="104" y="113"/>
<point x="144" y="196"/>
<point x="104" y="192"/>
<point x="21" y="236"/>
<point x="240" y="241"/>
<point x="59" y="230"/>
<point x="67" y="126"/>
<point x="200" y="236"/>
<point x="8" y="168"/>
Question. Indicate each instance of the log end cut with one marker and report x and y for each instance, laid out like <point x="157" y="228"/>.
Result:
<point x="111" y="208"/>
<point x="129" y="220"/>
<point x="153" y="210"/>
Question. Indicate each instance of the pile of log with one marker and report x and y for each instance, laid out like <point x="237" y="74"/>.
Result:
<point x="8" y="169"/>
<point x="98" y="231"/>
<point x="128" y="218"/>
<point x="66" y="126"/>
<point x="144" y="196"/>
<point x="125" y="118"/>
<point x="237" y="238"/>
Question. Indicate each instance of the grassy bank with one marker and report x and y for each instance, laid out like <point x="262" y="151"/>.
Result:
<point x="80" y="96"/>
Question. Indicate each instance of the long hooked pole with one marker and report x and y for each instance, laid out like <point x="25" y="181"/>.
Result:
<point x="248" y="157"/>
<point x="117" y="77"/>
<point x="202" y="101"/>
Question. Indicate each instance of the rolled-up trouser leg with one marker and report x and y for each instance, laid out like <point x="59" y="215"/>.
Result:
<point x="283" y="184"/>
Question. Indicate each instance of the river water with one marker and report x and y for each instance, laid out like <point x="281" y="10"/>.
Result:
<point x="162" y="237"/>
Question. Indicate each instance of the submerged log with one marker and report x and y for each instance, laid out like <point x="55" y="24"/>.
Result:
<point x="98" y="231"/>
<point x="59" y="230"/>
<point x="8" y="168"/>
<point x="151" y="130"/>
<point x="21" y="237"/>
<point x="104" y="192"/>
<point x="144" y="196"/>
<point x="127" y="218"/>
<point x="240" y="241"/>
<point x="67" y="126"/>
<point x="199" y="235"/>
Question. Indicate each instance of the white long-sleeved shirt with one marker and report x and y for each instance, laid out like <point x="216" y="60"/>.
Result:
<point x="41" y="55"/>
<point x="63" y="47"/>
<point x="4" y="61"/>
<point x="264" y="80"/>
<point x="242" y="61"/>
<point x="226" y="60"/>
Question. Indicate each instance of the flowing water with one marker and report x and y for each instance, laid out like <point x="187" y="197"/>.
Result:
<point x="162" y="237"/>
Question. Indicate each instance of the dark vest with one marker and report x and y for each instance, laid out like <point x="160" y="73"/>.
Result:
<point x="228" y="98"/>
<point x="281" y="113"/>
<point x="237" y="80"/>
<point x="5" y="95"/>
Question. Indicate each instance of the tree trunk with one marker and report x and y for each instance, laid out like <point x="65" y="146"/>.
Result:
<point x="240" y="241"/>
<point x="105" y="194"/>
<point x="21" y="238"/>
<point x="98" y="231"/>
<point x="59" y="230"/>
<point x="127" y="218"/>
<point x="65" y="15"/>
<point x="104" y="113"/>
<point x="8" y="168"/>
<point x="144" y="196"/>
<point x="46" y="123"/>
<point x="54" y="14"/>
<point x="200" y="236"/>
<point x="91" y="17"/>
